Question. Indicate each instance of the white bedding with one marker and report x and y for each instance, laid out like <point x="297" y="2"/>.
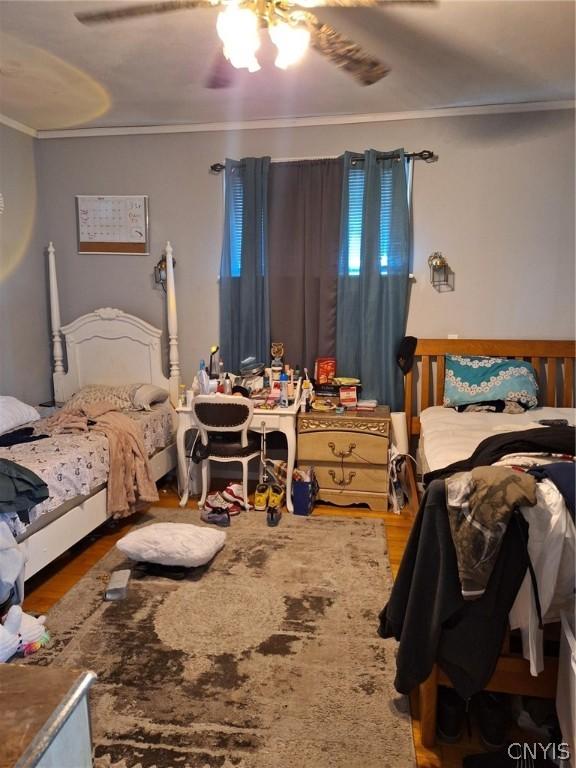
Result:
<point x="447" y="436"/>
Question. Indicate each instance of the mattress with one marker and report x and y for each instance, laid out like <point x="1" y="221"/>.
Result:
<point x="447" y="436"/>
<point x="76" y="465"/>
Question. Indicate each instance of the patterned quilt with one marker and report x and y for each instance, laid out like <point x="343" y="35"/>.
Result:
<point x="76" y="464"/>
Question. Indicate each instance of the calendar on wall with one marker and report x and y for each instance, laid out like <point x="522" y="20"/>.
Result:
<point x="112" y="224"/>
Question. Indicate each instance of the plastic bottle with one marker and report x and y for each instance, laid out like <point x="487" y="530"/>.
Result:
<point x="182" y="395"/>
<point x="283" y="390"/>
<point x="203" y="379"/>
<point x="227" y="385"/>
<point x="304" y="396"/>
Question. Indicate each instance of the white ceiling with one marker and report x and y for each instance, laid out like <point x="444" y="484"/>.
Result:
<point x="56" y="73"/>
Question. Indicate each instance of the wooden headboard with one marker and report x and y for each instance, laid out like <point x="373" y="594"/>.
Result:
<point x="552" y="360"/>
<point x="109" y="346"/>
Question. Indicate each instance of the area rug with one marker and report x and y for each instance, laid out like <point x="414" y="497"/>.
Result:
<point x="266" y="658"/>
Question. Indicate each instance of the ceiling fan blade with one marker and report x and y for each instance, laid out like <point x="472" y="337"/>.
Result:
<point x="133" y="11"/>
<point x="222" y="74"/>
<point x="359" y="3"/>
<point x="346" y="54"/>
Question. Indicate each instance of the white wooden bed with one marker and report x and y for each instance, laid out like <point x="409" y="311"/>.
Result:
<point x="107" y="346"/>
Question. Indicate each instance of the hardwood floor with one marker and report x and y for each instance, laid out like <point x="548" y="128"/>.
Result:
<point x="47" y="587"/>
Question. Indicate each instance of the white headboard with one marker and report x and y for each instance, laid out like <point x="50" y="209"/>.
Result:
<point x="109" y="346"/>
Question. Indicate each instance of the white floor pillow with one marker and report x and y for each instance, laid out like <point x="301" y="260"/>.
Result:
<point x="172" y="544"/>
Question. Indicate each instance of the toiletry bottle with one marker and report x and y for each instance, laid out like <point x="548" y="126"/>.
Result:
<point x="182" y="395"/>
<point x="304" y="397"/>
<point x="203" y="379"/>
<point x="227" y="385"/>
<point x="283" y="390"/>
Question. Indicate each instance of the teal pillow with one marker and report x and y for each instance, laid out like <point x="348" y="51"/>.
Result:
<point x="481" y="379"/>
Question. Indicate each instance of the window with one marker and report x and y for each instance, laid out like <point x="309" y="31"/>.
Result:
<point x="355" y="218"/>
<point x="355" y="203"/>
<point x="236" y="223"/>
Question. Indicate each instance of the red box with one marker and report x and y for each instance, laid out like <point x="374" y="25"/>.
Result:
<point x="325" y="370"/>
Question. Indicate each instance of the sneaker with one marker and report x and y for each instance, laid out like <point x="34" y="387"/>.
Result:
<point x="450" y="716"/>
<point x="219" y="517"/>
<point x="276" y="496"/>
<point x="216" y="501"/>
<point x="273" y="516"/>
<point x="233" y="493"/>
<point x="261" y="497"/>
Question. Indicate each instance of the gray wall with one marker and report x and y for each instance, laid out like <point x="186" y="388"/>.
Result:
<point x="499" y="204"/>
<point x="24" y="340"/>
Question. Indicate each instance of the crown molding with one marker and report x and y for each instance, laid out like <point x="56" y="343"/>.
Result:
<point x="304" y="122"/>
<point x="4" y="120"/>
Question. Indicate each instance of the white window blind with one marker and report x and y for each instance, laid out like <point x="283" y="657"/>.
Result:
<point x="236" y="223"/>
<point x="355" y="205"/>
<point x="355" y="218"/>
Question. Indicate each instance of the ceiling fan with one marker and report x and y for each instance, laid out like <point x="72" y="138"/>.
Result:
<point x="291" y="26"/>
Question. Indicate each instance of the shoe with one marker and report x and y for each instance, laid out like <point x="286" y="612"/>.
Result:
<point x="233" y="493"/>
<point x="219" y="517"/>
<point x="492" y="720"/>
<point x="450" y="716"/>
<point x="216" y="501"/>
<point x="275" y="496"/>
<point x="273" y="516"/>
<point x="261" y="497"/>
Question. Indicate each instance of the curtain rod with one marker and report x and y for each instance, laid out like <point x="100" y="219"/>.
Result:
<point x="425" y="154"/>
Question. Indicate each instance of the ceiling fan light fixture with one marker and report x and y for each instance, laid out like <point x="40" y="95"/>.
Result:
<point x="291" y="40"/>
<point x="238" y="30"/>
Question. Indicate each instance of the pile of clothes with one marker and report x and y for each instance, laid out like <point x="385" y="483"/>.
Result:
<point x="20" y="633"/>
<point x="479" y="529"/>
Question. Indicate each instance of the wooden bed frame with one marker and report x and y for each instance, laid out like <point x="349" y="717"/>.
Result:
<point x="553" y="362"/>
<point x="107" y="346"/>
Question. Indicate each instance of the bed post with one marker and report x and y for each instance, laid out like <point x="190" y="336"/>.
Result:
<point x="57" y="349"/>
<point x="173" y="357"/>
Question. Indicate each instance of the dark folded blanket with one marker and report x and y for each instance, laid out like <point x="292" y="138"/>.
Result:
<point x="20" y="489"/>
<point x="564" y="478"/>
<point x="19" y="436"/>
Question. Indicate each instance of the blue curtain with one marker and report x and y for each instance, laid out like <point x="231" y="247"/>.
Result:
<point x="373" y="272"/>
<point x="244" y="292"/>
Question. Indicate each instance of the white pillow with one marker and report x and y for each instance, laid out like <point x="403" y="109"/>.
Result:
<point x="147" y="394"/>
<point x="14" y="413"/>
<point x="172" y="544"/>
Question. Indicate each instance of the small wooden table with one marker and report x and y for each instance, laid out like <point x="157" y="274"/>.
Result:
<point x="349" y="452"/>
<point x="44" y="717"/>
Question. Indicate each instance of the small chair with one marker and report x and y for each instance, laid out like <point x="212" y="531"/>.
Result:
<point x="223" y="422"/>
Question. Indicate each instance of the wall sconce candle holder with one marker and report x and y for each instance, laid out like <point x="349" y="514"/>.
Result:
<point x="160" y="272"/>
<point x="441" y="276"/>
